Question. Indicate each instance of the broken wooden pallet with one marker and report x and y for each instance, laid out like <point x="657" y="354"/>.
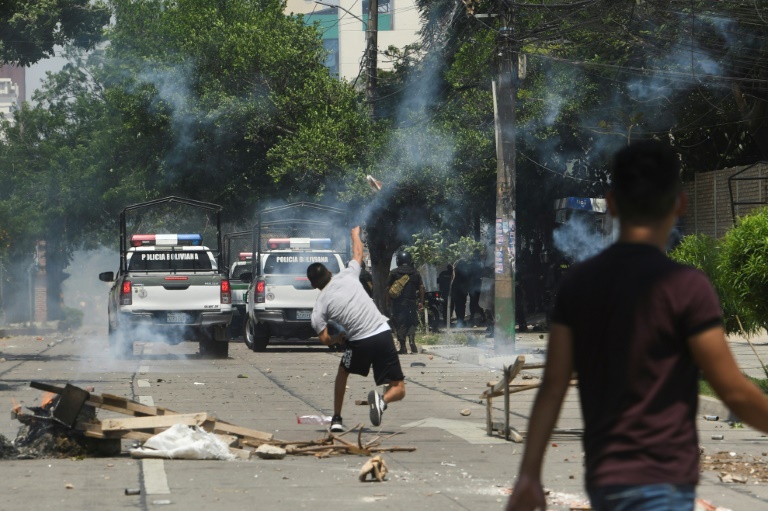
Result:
<point x="145" y="421"/>
<point x="109" y="402"/>
<point x="505" y="387"/>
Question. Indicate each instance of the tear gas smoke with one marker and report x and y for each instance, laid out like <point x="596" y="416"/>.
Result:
<point x="578" y="239"/>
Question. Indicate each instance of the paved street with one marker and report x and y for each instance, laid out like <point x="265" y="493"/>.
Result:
<point x="455" y="466"/>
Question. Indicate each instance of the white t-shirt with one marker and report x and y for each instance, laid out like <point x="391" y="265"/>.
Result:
<point x="345" y="301"/>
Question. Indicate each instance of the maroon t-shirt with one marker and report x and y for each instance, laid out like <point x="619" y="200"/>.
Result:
<point x="631" y="310"/>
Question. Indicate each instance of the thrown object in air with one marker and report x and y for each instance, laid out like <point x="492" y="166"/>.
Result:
<point x="374" y="183"/>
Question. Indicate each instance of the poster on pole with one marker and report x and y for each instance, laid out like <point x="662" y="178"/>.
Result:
<point x="512" y="239"/>
<point x="499" y="253"/>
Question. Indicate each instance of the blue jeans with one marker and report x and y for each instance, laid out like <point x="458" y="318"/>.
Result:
<point x="649" y="497"/>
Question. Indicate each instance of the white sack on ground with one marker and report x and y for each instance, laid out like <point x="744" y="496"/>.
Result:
<point x="184" y="443"/>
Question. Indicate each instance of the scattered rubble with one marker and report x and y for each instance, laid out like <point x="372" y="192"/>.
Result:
<point x="67" y="426"/>
<point x="270" y="452"/>
<point x="736" y="468"/>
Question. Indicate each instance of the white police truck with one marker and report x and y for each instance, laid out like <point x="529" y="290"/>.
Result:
<point x="280" y="298"/>
<point x="168" y="288"/>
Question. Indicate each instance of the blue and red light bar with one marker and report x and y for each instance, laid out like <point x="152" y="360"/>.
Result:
<point x="244" y="256"/>
<point x="299" y="243"/>
<point x="144" y="240"/>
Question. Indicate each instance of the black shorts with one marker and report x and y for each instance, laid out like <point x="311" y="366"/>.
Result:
<point x="377" y="351"/>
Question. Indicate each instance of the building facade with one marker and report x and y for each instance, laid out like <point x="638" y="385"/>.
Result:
<point x="342" y="24"/>
<point x="12" y="89"/>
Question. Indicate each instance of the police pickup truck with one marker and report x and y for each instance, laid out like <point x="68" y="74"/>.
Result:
<point x="286" y="240"/>
<point x="280" y="300"/>
<point x="168" y="288"/>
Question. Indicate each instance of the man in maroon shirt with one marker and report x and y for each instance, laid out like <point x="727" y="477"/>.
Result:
<point x="637" y="328"/>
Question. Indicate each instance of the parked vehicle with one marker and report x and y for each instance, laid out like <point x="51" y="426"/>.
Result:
<point x="169" y="287"/>
<point x="287" y="240"/>
<point x="237" y="260"/>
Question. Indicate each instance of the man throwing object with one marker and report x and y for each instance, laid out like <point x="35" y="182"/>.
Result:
<point x="368" y="338"/>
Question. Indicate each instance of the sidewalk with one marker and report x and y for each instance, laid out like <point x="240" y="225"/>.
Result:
<point x="717" y="439"/>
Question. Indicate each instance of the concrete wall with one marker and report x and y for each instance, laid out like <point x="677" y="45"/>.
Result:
<point x="709" y="209"/>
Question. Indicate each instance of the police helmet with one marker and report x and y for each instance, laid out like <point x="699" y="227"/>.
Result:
<point x="403" y="257"/>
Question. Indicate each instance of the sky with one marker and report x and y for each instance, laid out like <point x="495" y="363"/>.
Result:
<point x="36" y="73"/>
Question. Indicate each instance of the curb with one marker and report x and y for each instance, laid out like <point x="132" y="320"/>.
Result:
<point x="712" y="406"/>
<point x="707" y="405"/>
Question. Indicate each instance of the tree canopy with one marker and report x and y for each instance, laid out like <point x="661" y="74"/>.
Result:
<point x="31" y="29"/>
<point x="229" y="102"/>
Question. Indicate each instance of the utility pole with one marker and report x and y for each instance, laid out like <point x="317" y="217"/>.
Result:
<point x="371" y="54"/>
<point x="505" y="254"/>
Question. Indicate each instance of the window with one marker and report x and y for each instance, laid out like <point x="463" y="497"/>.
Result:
<point x="332" y="59"/>
<point x="156" y="260"/>
<point x="384" y="7"/>
<point x="385" y="14"/>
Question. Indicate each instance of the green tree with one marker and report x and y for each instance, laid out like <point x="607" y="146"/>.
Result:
<point x="31" y="29"/>
<point x="220" y="101"/>
<point x="237" y="93"/>
<point x="52" y="173"/>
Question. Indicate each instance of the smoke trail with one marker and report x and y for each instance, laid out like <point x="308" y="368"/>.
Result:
<point x="578" y="239"/>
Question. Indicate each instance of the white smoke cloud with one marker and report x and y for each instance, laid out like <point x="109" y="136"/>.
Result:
<point x="578" y="239"/>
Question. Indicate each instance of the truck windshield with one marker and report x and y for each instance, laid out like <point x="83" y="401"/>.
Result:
<point x="238" y="269"/>
<point x="176" y="260"/>
<point x="297" y="263"/>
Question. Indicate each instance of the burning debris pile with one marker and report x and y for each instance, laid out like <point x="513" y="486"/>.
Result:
<point x="65" y="425"/>
<point x="45" y="434"/>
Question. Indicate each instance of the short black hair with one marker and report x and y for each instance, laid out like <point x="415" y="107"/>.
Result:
<point x="645" y="179"/>
<point x="318" y="275"/>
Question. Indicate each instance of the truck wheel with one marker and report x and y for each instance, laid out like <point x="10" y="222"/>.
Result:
<point x="120" y="344"/>
<point x="210" y="347"/>
<point x="256" y="335"/>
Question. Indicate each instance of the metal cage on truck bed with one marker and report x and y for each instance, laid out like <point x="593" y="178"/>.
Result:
<point x="301" y="220"/>
<point x="235" y="244"/>
<point x="156" y="206"/>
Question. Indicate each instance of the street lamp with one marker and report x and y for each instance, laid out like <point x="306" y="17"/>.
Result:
<point x="345" y="10"/>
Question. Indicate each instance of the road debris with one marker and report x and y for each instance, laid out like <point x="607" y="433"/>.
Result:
<point x="71" y="412"/>
<point x="736" y="468"/>
<point x="270" y="452"/>
<point x="376" y="468"/>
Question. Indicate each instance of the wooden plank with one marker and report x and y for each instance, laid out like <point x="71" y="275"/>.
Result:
<point x="511" y="434"/>
<point x="128" y="407"/>
<point x="110" y="402"/>
<point x="224" y="427"/>
<point x="156" y="421"/>
<point x="94" y="431"/>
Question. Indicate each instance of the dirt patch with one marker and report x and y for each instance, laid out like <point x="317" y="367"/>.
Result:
<point x="734" y="467"/>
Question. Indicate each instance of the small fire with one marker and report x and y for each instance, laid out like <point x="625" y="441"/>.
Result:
<point x="16" y="407"/>
<point x="47" y="399"/>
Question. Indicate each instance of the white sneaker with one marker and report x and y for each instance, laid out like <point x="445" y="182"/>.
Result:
<point x="377" y="406"/>
<point x="336" y="424"/>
